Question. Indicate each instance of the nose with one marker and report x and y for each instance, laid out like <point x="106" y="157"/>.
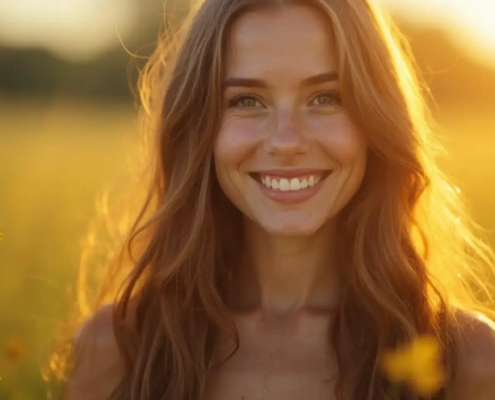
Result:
<point x="287" y="137"/>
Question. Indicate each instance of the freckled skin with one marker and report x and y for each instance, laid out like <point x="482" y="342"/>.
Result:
<point x="282" y="126"/>
<point x="286" y="125"/>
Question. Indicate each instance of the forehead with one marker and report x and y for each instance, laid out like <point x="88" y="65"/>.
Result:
<point x="292" y="39"/>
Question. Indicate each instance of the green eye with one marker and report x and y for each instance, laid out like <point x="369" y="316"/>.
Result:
<point x="244" y="101"/>
<point x="248" y="102"/>
<point x="326" y="99"/>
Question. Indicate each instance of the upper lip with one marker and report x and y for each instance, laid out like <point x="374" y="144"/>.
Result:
<point x="291" y="173"/>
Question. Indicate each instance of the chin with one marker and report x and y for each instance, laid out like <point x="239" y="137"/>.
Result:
<point x="289" y="227"/>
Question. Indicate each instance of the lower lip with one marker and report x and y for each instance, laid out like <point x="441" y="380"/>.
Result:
<point x="291" y="196"/>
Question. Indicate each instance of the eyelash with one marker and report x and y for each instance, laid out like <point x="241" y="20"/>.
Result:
<point x="236" y="99"/>
<point x="335" y="96"/>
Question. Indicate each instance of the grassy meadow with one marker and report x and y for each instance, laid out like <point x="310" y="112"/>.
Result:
<point x="57" y="156"/>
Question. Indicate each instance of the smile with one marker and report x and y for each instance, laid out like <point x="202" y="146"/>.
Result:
<point x="290" y="184"/>
<point x="290" y="187"/>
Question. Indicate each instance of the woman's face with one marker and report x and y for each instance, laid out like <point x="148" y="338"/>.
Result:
<point x="287" y="154"/>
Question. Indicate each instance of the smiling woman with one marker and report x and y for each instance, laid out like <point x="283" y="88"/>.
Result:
<point x="296" y="225"/>
<point x="275" y="136"/>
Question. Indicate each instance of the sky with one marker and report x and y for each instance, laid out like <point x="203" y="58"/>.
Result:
<point x="80" y="29"/>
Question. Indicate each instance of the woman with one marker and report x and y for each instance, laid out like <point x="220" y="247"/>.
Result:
<point x="296" y="225"/>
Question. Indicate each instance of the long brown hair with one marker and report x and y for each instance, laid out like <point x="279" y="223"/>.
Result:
<point x="404" y="237"/>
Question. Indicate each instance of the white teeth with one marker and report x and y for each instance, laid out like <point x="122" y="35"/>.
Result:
<point x="284" y="185"/>
<point x="294" y="184"/>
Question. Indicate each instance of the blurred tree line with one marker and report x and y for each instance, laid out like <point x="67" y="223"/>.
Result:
<point x="451" y="75"/>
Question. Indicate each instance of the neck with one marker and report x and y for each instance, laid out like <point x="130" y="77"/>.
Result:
<point x="282" y="275"/>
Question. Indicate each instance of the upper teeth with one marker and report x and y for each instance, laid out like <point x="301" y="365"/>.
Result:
<point x="285" y="185"/>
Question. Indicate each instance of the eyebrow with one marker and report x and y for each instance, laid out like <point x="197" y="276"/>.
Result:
<point x="324" y="77"/>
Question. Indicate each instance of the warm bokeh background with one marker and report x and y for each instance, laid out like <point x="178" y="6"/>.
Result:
<point x="67" y="123"/>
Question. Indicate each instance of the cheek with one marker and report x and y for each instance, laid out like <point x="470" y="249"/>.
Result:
<point x="342" y="141"/>
<point x="235" y="142"/>
<point x="346" y="146"/>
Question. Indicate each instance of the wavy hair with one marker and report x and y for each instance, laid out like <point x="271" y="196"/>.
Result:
<point x="405" y="238"/>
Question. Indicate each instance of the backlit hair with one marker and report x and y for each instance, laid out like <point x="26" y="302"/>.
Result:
<point x="404" y="238"/>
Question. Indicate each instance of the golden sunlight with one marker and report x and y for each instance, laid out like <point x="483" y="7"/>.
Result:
<point x="468" y="22"/>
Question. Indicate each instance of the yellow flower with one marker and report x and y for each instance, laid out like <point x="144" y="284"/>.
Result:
<point x="417" y="364"/>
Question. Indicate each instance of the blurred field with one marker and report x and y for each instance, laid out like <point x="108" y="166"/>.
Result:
<point x="54" y="160"/>
<point x="56" y="157"/>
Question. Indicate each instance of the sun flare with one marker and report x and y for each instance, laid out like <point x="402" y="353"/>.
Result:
<point x="468" y="22"/>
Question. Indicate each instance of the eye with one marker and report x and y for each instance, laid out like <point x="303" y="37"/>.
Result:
<point x="326" y="99"/>
<point x="245" y="101"/>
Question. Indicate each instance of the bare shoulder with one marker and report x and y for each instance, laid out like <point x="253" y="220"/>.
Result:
<point x="97" y="365"/>
<point x="476" y="373"/>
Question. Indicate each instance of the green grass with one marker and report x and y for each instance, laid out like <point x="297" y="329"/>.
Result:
<point x="55" y="158"/>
